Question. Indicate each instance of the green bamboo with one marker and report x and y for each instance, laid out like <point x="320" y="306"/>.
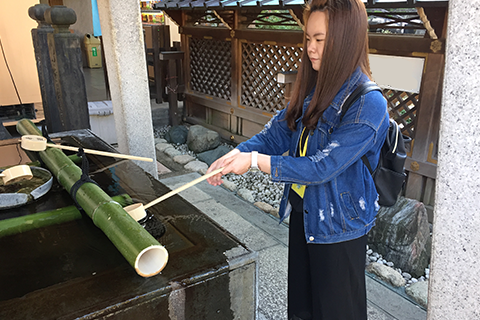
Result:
<point x="76" y="159"/>
<point x="139" y="248"/>
<point x="48" y="218"/>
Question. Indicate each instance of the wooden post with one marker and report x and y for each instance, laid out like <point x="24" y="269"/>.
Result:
<point x="288" y="78"/>
<point x="173" y="86"/>
<point x="66" y="61"/>
<point x="44" y="67"/>
<point x="427" y="126"/>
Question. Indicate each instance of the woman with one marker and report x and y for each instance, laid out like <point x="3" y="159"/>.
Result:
<point x="329" y="193"/>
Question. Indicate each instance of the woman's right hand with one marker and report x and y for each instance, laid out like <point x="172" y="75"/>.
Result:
<point x="216" y="180"/>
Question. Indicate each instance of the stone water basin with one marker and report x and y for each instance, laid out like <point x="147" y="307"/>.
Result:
<point x="71" y="270"/>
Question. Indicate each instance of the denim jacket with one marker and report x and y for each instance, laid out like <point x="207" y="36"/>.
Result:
<point x="340" y="200"/>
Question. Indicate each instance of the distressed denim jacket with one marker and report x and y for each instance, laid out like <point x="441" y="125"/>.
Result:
<point x="340" y="200"/>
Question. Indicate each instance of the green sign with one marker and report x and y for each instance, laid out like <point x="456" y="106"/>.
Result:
<point x="94" y="51"/>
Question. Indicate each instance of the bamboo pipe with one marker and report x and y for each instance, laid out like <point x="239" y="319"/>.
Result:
<point x="47" y="218"/>
<point x="76" y="159"/>
<point x="139" y="248"/>
<point x="39" y="143"/>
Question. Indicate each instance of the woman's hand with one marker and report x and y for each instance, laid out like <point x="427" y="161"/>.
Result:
<point x="219" y="163"/>
<point x="238" y="163"/>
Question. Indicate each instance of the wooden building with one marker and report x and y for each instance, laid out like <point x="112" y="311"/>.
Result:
<point x="241" y="57"/>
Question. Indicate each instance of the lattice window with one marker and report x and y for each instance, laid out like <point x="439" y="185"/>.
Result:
<point x="260" y="65"/>
<point x="210" y="67"/>
<point x="402" y="106"/>
<point x="271" y="19"/>
<point x="398" y="21"/>
<point x="206" y="18"/>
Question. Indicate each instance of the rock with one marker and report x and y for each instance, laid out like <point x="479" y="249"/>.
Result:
<point x="160" y="147"/>
<point x="196" y="166"/>
<point x="387" y="274"/>
<point x="183" y="159"/>
<point x="203" y="170"/>
<point x="419" y="292"/>
<point x="177" y="135"/>
<point x="210" y="156"/>
<point x="172" y="152"/>
<point x="265" y="207"/>
<point x="160" y="140"/>
<point x="274" y="212"/>
<point x="229" y="185"/>
<point x="201" y="139"/>
<point x="246" y="194"/>
<point x="402" y="235"/>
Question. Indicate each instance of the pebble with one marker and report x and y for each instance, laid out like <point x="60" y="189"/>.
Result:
<point x="196" y="166"/>
<point x="245" y="194"/>
<point x="407" y="276"/>
<point x="229" y="185"/>
<point x="172" y="152"/>
<point x="183" y="159"/>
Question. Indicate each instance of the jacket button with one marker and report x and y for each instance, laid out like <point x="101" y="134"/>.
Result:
<point x="306" y="211"/>
<point x="311" y="238"/>
<point x="330" y="130"/>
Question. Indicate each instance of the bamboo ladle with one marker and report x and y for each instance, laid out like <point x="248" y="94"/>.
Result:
<point x="16" y="173"/>
<point x="39" y="143"/>
<point x="138" y="211"/>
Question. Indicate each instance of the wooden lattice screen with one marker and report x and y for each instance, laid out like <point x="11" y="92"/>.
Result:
<point x="261" y="64"/>
<point x="210" y="67"/>
<point x="402" y="107"/>
<point x="400" y="21"/>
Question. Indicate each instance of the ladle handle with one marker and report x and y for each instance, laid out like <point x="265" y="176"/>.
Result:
<point x="101" y="153"/>
<point x="185" y="186"/>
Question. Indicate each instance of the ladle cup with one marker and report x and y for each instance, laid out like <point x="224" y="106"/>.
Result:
<point x="138" y="211"/>
<point x="39" y="143"/>
<point x="17" y="173"/>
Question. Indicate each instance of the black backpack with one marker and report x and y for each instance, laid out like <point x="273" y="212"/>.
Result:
<point x="389" y="176"/>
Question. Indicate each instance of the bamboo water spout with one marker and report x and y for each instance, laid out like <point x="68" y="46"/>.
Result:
<point x="39" y="143"/>
<point x="139" y="248"/>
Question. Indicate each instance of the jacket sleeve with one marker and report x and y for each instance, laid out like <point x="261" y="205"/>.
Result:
<point x="274" y="139"/>
<point x="355" y="136"/>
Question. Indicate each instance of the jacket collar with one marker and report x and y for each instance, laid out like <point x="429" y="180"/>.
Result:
<point x="342" y="95"/>
<point x="347" y="88"/>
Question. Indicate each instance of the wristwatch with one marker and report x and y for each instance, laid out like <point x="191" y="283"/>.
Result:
<point x="254" y="165"/>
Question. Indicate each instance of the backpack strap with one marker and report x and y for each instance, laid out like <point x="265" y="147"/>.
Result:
<point x="361" y="90"/>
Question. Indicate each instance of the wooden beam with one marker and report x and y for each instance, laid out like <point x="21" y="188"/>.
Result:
<point x="402" y="45"/>
<point x="206" y="32"/>
<point x="171" y="55"/>
<point x="250" y="114"/>
<point x="273" y="36"/>
<point x="423" y="168"/>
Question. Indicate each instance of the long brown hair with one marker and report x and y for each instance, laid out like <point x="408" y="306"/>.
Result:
<point x="346" y="48"/>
